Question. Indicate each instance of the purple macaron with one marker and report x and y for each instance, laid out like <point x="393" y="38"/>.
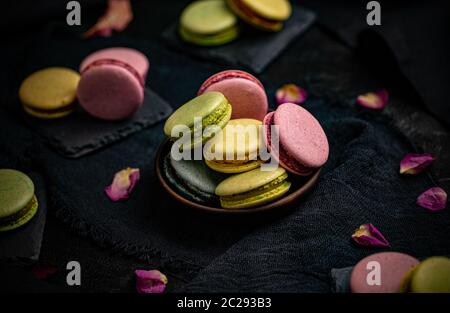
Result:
<point x="381" y="272"/>
<point x="245" y="92"/>
<point x="303" y="144"/>
<point x="112" y="83"/>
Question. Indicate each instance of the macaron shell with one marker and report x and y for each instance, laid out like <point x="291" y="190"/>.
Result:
<point x="248" y="181"/>
<point x="24" y="218"/>
<point x="255" y="201"/>
<point x="133" y="57"/>
<point x="431" y="276"/>
<point x="301" y="135"/>
<point x="230" y="168"/>
<point x="16" y="191"/>
<point x="253" y="19"/>
<point x="278" y="10"/>
<point x="110" y="92"/>
<point x="248" y="98"/>
<point x="200" y="107"/>
<point x="49" y="89"/>
<point x="48" y="115"/>
<point x="207" y="17"/>
<point x="393" y="267"/>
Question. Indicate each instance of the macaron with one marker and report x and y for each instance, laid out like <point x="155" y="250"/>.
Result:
<point x="193" y="179"/>
<point x="112" y="83"/>
<point x="236" y="148"/>
<point x="430" y="276"/>
<point x="303" y="144"/>
<point x="253" y="188"/>
<point x="18" y="203"/>
<point x="389" y="267"/>
<point x="211" y="109"/>
<point x="244" y="91"/>
<point x="208" y="23"/>
<point x="267" y="15"/>
<point x="49" y="93"/>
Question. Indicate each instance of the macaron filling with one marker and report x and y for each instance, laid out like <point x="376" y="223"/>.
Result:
<point x="58" y="111"/>
<point x="242" y="10"/>
<point x="270" y="191"/>
<point x="8" y="220"/>
<point x="285" y="159"/>
<point x="227" y="75"/>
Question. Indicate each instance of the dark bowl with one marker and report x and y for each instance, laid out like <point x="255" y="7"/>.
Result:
<point x="300" y="187"/>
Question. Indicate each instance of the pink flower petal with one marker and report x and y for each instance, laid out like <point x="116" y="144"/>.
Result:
<point x="434" y="199"/>
<point x="150" y="281"/>
<point x="291" y="93"/>
<point x="367" y="235"/>
<point x="123" y="184"/>
<point x="374" y="100"/>
<point x="415" y="163"/>
<point x="41" y="272"/>
<point x="117" y="17"/>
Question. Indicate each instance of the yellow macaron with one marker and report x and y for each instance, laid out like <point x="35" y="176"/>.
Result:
<point x="49" y="93"/>
<point x="236" y="148"/>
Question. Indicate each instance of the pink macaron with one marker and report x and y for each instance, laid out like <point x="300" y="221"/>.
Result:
<point x="381" y="272"/>
<point x="245" y="92"/>
<point x="112" y="83"/>
<point x="303" y="144"/>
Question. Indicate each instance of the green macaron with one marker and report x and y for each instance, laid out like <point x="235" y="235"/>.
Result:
<point x="430" y="276"/>
<point x="208" y="110"/>
<point x="208" y="23"/>
<point x="18" y="203"/>
<point x="253" y="188"/>
<point x="193" y="179"/>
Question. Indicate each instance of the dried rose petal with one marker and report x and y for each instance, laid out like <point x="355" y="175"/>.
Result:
<point x="150" y="281"/>
<point x="43" y="271"/>
<point x="374" y="100"/>
<point x="434" y="199"/>
<point x="367" y="235"/>
<point x="123" y="184"/>
<point x="117" y="17"/>
<point x="415" y="163"/>
<point x="291" y="93"/>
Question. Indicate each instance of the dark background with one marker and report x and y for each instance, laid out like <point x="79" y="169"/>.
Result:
<point x="411" y="53"/>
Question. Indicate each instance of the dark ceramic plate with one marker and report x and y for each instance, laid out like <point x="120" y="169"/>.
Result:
<point x="300" y="187"/>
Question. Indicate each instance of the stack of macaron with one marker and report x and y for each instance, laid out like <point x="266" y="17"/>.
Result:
<point x="216" y="22"/>
<point x="224" y="166"/>
<point x="393" y="272"/>
<point x="18" y="202"/>
<point x="110" y="86"/>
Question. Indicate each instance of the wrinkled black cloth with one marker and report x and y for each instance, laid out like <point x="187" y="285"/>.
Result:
<point x="253" y="49"/>
<point x="410" y="49"/>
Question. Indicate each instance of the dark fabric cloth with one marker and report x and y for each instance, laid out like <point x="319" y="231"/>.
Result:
<point x="24" y="244"/>
<point x="411" y="42"/>
<point x="254" y="49"/>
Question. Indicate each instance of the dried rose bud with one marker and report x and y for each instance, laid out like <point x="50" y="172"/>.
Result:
<point x="117" y="17"/>
<point x="367" y="235"/>
<point x="374" y="100"/>
<point x="415" y="163"/>
<point x="123" y="184"/>
<point x="291" y="93"/>
<point x="150" y="281"/>
<point x="434" y="199"/>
